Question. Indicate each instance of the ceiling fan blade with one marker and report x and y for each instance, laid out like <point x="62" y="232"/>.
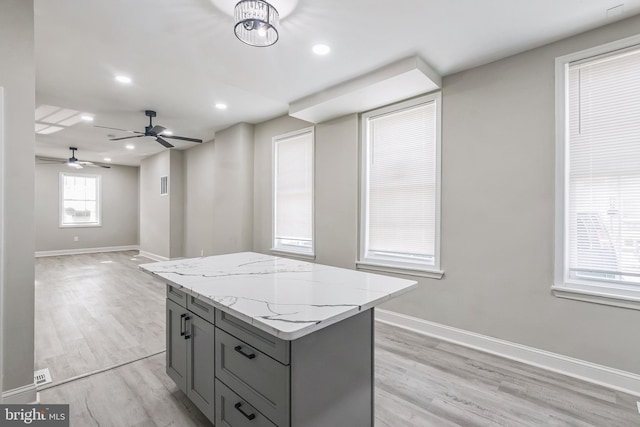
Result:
<point x="164" y="143"/>
<point x="93" y="165"/>
<point x="49" y="160"/>
<point x="182" y="138"/>
<point x="123" y="130"/>
<point x="126" y="137"/>
<point x="157" y="129"/>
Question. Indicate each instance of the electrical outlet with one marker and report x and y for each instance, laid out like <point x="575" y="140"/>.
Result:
<point x="201" y="252"/>
<point x="638" y="407"/>
<point x="75" y="238"/>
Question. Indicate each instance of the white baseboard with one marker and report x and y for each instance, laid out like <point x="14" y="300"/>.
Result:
<point x="153" y="256"/>
<point x="22" y="395"/>
<point x="626" y="382"/>
<point x="40" y="254"/>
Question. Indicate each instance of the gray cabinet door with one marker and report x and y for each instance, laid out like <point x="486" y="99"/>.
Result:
<point x="201" y="364"/>
<point x="176" y="345"/>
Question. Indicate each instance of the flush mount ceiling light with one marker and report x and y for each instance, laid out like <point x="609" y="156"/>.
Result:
<point x="256" y="23"/>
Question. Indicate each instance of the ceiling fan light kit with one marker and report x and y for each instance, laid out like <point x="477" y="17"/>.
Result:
<point x="256" y="23"/>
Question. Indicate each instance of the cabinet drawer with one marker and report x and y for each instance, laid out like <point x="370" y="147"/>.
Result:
<point x="233" y="411"/>
<point x="202" y="309"/>
<point x="260" y="380"/>
<point x="266" y="343"/>
<point x="176" y="296"/>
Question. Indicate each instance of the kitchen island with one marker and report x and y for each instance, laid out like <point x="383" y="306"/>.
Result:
<point x="258" y="340"/>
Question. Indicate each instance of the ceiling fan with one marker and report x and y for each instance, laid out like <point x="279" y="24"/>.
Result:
<point x="72" y="161"/>
<point x="153" y="131"/>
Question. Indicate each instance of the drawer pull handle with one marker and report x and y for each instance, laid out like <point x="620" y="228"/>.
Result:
<point x="249" y="416"/>
<point x="238" y="348"/>
<point x="183" y="324"/>
<point x="187" y="328"/>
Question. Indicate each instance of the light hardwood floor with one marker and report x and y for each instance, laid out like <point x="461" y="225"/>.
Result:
<point x="94" y="311"/>
<point x="420" y="381"/>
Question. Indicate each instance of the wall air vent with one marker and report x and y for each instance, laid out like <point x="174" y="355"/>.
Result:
<point x="164" y="185"/>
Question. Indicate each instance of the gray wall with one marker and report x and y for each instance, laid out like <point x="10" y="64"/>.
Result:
<point x="176" y="204"/>
<point x="17" y="76"/>
<point x="218" y="192"/>
<point x="199" y="212"/>
<point x="119" y="210"/>
<point x="233" y="189"/>
<point x="155" y="214"/>
<point x="497" y="210"/>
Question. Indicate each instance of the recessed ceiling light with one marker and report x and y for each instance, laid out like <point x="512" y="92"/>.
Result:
<point x="107" y="159"/>
<point x="167" y="132"/>
<point x="221" y="106"/>
<point x="123" y="79"/>
<point x="87" y="118"/>
<point x="321" y="49"/>
<point x="130" y="147"/>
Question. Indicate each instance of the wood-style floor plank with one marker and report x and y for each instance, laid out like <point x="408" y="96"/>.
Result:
<point x="86" y="323"/>
<point x="94" y="311"/>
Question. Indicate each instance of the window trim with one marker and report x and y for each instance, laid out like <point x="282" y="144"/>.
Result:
<point x="400" y="267"/>
<point x="279" y="250"/>
<point x="98" y="201"/>
<point x="607" y="293"/>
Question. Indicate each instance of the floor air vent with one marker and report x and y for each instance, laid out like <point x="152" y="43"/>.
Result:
<point x="41" y="377"/>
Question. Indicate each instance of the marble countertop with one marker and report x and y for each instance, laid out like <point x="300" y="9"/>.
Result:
<point x="284" y="297"/>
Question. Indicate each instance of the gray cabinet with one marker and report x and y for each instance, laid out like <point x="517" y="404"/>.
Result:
<point x="201" y="364"/>
<point x="191" y="354"/>
<point x="238" y="375"/>
<point x="176" y="344"/>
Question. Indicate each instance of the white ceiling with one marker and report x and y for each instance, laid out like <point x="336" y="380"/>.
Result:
<point x="183" y="57"/>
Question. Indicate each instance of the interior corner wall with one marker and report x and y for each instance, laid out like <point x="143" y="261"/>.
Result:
<point x="498" y="166"/>
<point x="17" y="77"/>
<point x="199" y="208"/>
<point x="233" y="189"/>
<point x="120" y="188"/>
<point x="155" y="210"/>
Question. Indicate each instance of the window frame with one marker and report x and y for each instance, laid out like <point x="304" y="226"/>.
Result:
<point x="61" y="199"/>
<point x="385" y="265"/>
<point x="291" y="250"/>
<point x="601" y="292"/>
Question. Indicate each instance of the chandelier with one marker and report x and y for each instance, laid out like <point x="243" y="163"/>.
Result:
<point x="256" y="23"/>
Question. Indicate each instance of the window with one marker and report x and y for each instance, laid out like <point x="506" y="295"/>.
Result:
<point x="400" y="187"/>
<point x="79" y="200"/>
<point x="598" y="186"/>
<point x="293" y="192"/>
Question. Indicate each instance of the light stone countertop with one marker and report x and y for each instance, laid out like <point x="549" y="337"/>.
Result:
<point x="283" y="297"/>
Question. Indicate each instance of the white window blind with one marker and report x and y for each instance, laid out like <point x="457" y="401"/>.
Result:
<point x="80" y="200"/>
<point x="293" y="192"/>
<point x="603" y="169"/>
<point x="401" y="185"/>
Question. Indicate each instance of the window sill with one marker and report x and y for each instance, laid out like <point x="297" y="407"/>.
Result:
<point x="79" y="225"/>
<point x="298" y="255"/>
<point x="432" y="274"/>
<point x="598" y="294"/>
